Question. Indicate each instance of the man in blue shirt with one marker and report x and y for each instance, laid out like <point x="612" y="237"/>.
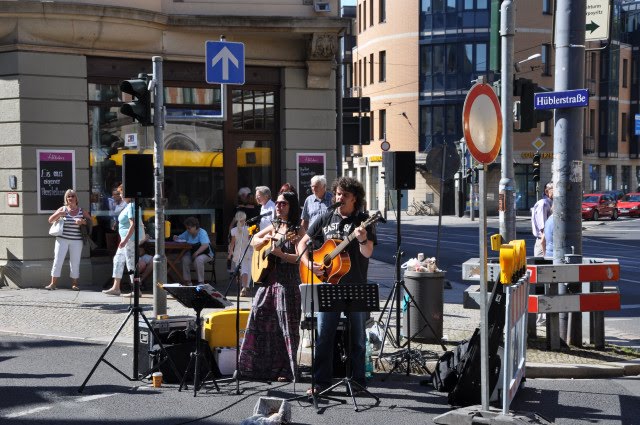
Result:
<point x="317" y="203"/>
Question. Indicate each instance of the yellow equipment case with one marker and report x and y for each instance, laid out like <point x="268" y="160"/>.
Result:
<point x="220" y="327"/>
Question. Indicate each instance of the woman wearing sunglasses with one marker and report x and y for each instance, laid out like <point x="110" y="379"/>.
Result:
<point x="272" y="337"/>
<point x="71" y="239"/>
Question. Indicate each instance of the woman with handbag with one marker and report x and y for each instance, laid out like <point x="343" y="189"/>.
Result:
<point x="71" y="217"/>
<point x="200" y="252"/>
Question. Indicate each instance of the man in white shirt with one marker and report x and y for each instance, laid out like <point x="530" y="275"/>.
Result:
<point x="263" y="197"/>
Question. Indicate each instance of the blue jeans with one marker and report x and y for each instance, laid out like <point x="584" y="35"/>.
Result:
<point x="327" y="325"/>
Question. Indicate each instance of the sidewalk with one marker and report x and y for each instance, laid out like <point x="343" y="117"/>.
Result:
<point x="89" y="315"/>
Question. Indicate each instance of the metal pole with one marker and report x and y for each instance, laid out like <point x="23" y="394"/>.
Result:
<point x="568" y="131"/>
<point x="159" y="260"/>
<point x="507" y="213"/>
<point x="484" y="325"/>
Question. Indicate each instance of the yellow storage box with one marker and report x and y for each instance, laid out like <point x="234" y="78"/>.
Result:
<point x="220" y="327"/>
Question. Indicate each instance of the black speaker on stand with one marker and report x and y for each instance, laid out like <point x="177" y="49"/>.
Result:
<point x="137" y="175"/>
<point x="400" y="169"/>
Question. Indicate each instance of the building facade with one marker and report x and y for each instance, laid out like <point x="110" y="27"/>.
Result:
<point x="61" y="65"/>
<point x="429" y="61"/>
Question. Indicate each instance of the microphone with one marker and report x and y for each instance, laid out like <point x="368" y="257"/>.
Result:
<point x="334" y="206"/>
<point x="256" y="219"/>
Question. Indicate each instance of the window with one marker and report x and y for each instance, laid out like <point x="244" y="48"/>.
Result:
<point x="592" y="122"/>
<point x="468" y="4"/>
<point x="359" y="18"/>
<point x="634" y="70"/>
<point x="371" y="125"/>
<point x="364" y="71"/>
<point x="382" y="11"/>
<point x="371" y="64"/>
<point x="545" y="128"/>
<point x="625" y="65"/>
<point x="624" y="127"/>
<point x="546" y="7"/>
<point x="360" y="71"/>
<point x="592" y="67"/>
<point x="610" y="178"/>
<point x="481" y="57"/>
<point x="626" y="178"/>
<point x="364" y="15"/>
<point x="356" y="79"/>
<point x="382" y="124"/>
<point x="382" y="66"/>
<point x="371" y="14"/>
<point x="546" y="59"/>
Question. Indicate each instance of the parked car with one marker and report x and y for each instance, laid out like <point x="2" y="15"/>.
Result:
<point x="596" y="205"/>
<point x="630" y="205"/>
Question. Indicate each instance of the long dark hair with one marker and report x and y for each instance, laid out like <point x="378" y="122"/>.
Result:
<point x="294" y="207"/>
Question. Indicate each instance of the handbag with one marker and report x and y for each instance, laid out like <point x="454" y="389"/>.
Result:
<point x="57" y="227"/>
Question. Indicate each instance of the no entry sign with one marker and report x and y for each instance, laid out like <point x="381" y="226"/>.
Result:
<point x="482" y="123"/>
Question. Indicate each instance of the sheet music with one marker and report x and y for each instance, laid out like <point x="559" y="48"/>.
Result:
<point x="204" y="288"/>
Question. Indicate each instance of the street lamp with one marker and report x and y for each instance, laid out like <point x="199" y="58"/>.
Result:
<point x="516" y="65"/>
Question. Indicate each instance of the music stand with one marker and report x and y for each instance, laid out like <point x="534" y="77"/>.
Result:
<point x="197" y="298"/>
<point x="349" y="298"/>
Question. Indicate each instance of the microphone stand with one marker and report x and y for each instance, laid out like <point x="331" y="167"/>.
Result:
<point x="314" y="397"/>
<point x="236" y="277"/>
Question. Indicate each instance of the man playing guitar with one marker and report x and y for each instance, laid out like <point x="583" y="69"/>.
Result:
<point x="338" y="224"/>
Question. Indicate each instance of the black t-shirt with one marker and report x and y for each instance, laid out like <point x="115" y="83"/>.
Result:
<point x="331" y="225"/>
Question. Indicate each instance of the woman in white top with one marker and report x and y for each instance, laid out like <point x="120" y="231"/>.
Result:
<point x="71" y="239"/>
<point x="239" y="242"/>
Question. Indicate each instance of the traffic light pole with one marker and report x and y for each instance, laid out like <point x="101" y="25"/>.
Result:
<point x="159" y="259"/>
<point x="506" y="204"/>
<point x="568" y="132"/>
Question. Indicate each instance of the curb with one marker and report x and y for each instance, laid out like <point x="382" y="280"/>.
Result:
<point x="582" y="371"/>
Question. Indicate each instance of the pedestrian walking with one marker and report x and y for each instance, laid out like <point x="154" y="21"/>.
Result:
<point x="539" y="215"/>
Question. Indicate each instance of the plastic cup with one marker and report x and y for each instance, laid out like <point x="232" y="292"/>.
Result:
<point x="420" y="257"/>
<point x="156" y="378"/>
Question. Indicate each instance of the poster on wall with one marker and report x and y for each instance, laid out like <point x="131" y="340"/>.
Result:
<point x="56" y="174"/>
<point x="309" y="165"/>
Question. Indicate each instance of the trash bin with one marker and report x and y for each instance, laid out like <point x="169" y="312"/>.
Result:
<point x="427" y="291"/>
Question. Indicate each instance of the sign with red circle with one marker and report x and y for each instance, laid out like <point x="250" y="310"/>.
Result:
<point x="482" y="123"/>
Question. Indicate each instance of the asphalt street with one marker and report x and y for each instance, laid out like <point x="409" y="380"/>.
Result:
<point x="618" y="239"/>
<point x="40" y="377"/>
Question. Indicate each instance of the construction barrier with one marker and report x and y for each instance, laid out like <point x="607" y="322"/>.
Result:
<point x="514" y="360"/>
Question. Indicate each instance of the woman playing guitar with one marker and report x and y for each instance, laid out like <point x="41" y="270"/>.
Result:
<point x="341" y="224"/>
<point x="271" y="340"/>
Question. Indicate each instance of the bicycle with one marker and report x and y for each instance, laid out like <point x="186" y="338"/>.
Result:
<point x="421" y="208"/>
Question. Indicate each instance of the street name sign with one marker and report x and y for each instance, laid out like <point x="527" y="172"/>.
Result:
<point x="561" y="99"/>
<point x="597" y="25"/>
<point x="224" y="62"/>
<point x="482" y="123"/>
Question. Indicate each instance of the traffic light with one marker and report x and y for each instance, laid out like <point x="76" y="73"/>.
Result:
<point x="140" y="107"/>
<point x="356" y="129"/>
<point x="536" y="167"/>
<point x="529" y="117"/>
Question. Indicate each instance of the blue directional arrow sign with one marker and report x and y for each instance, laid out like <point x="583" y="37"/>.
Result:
<point x="561" y="99"/>
<point x="225" y="62"/>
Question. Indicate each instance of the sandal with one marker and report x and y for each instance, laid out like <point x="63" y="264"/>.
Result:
<point x="50" y="287"/>
<point x="283" y="379"/>
<point x="75" y="288"/>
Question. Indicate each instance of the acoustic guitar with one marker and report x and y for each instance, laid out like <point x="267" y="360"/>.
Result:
<point x="263" y="261"/>
<point x="335" y="262"/>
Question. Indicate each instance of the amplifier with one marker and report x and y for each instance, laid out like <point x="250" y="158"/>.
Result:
<point x="163" y="328"/>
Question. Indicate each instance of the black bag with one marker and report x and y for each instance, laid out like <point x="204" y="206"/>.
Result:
<point x="181" y="354"/>
<point x="444" y="377"/>
<point x="466" y="391"/>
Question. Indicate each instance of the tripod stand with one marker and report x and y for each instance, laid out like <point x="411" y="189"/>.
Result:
<point x="197" y="298"/>
<point x="136" y="312"/>
<point x="407" y="354"/>
<point x="349" y="298"/>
